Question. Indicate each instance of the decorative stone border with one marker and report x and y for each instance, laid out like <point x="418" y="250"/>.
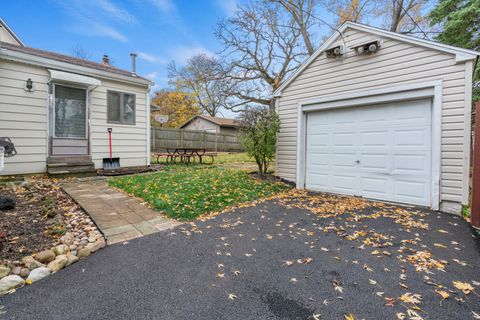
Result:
<point x="82" y="239"/>
<point x="42" y="264"/>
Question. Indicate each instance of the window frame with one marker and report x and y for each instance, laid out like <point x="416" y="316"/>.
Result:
<point x="122" y="102"/>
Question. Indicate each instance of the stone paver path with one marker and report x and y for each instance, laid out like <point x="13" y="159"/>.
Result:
<point x="118" y="216"/>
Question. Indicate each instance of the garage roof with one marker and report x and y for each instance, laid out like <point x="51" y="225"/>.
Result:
<point x="459" y="53"/>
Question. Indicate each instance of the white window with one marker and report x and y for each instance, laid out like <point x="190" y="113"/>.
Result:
<point x="120" y="107"/>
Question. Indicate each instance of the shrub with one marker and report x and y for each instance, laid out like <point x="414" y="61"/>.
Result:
<point x="258" y="135"/>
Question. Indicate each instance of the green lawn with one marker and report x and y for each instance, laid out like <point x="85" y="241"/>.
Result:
<point x="223" y="157"/>
<point x="186" y="192"/>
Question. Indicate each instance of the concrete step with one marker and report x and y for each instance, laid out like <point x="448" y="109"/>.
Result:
<point x="71" y="169"/>
<point x="69" y="159"/>
<point x="70" y="164"/>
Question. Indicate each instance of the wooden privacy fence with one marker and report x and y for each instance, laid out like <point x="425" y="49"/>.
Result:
<point x="163" y="138"/>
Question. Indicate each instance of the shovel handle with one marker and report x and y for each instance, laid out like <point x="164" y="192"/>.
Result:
<point x="110" y="141"/>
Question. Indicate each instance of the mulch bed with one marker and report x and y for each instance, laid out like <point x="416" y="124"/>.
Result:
<point x="36" y="223"/>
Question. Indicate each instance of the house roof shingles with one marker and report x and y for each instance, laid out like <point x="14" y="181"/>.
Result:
<point x="69" y="59"/>
<point x="222" y="122"/>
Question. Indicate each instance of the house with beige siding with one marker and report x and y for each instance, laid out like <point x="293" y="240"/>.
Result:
<point x="381" y="115"/>
<point x="212" y="124"/>
<point x="57" y="110"/>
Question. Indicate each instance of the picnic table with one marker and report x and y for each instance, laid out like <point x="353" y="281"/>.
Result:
<point x="186" y="155"/>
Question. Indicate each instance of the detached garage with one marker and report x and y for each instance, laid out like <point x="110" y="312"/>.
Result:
<point x="381" y="115"/>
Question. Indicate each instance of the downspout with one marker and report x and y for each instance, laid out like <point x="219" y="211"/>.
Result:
<point x="148" y="126"/>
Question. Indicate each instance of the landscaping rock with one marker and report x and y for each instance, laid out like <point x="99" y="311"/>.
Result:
<point x="71" y="259"/>
<point x="4" y="271"/>
<point x="96" y="246"/>
<point x="61" y="249"/>
<point x="68" y="238"/>
<point x="7" y="202"/>
<point x="38" y="274"/>
<point x="45" y="256"/>
<point x="24" y="272"/>
<point x="16" y="270"/>
<point x="58" y="263"/>
<point x="11" y="282"/>
<point x="31" y="263"/>
<point x="84" y="252"/>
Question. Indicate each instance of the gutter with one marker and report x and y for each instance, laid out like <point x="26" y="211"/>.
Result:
<point x="64" y="66"/>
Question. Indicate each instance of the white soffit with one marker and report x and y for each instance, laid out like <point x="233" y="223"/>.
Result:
<point x="62" y="76"/>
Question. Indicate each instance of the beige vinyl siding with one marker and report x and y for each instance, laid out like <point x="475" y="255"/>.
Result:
<point x="23" y="116"/>
<point x="396" y="63"/>
<point x="129" y="141"/>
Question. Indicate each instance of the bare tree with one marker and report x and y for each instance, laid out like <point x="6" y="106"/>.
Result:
<point x="80" y="52"/>
<point x="260" y="48"/>
<point x="302" y="11"/>
<point x="203" y="78"/>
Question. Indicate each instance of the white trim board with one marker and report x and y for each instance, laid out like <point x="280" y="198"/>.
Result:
<point x="432" y="89"/>
<point x="460" y="54"/>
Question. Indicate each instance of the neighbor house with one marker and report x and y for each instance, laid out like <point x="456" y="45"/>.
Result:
<point x="380" y="115"/>
<point x="212" y="124"/>
<point x="57" y="109"/>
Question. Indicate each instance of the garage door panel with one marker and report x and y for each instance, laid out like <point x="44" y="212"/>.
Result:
<point x="342" y="116"/>
<point x="343" y="160"/>
<point x="413" y="111"/>
<point x="411" y="164"/>
<point x="374" y="186"/>
<point x="344" y="139"/>
<point x="344" y="183"/>
<point x="381" y="151"/>
<point x="374" y="138"/>
<point x="413" y="191"/>
<point x="374" y="161"/>
<point x="410" y="137"/>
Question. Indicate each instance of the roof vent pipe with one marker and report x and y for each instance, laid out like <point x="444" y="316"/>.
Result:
<point x="134" y="62"/>
<point x="106" y="60"/>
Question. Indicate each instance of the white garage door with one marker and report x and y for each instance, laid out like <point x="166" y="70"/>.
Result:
<point x="379" y="152"/>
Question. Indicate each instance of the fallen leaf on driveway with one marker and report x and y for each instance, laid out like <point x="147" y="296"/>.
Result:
<point x="349" y="317"/>
<point x="465" y="287"/>
<point x="444" y="294"/>
<point x="232" y="296"/>
<point x="411" y="298"/>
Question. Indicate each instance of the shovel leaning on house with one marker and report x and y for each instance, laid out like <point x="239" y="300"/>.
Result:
<point x="110" y="163"/>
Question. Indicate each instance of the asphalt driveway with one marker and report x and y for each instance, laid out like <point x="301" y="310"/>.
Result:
<point x="297" y="257"/>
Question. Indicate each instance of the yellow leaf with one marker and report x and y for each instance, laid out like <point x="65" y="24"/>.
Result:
<point x="465" y="287"/>
<point x="443" y="294"/>
<point x="349" y="317"/>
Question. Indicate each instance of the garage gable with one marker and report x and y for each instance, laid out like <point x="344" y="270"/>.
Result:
<point x="370" y="34"/>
